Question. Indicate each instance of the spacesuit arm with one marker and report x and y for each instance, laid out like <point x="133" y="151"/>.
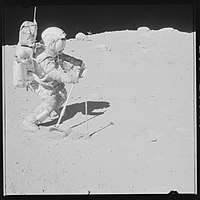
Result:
<point x="32" y="76"/>
<point x="59" y="75"/>
<point x="72" y="60"/>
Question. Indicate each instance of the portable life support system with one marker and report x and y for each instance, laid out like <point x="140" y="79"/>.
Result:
<point x="24" y="61"/>
<point x="21" y="65"/>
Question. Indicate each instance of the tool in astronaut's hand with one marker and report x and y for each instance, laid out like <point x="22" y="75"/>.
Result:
<point x="56" y="127"/>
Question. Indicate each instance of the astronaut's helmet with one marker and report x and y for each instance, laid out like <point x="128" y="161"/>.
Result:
<point x="54" y="39"/>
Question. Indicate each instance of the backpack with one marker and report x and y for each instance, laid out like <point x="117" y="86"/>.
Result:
<point x="27" y="33"/>
<point x="21" y="66"/>
<point x="24" y="48"/>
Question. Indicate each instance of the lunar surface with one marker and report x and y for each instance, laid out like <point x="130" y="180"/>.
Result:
<point x="140" y="111"/>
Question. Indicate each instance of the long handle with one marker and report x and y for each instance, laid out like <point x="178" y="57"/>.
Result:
<point x="86" y="108"/>
<point x="64" y="106"/>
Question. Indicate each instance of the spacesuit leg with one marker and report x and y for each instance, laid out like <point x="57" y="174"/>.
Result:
<point x="42" y="111"/>
<point x="60" y="102"/>
<point x="61" y="97"/>
<point x="39" y="114"/>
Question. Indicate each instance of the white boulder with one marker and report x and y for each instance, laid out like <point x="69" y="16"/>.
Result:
<point x="81" y="37"/>
<point x="169" y="29"/>
<point x="143" y="29"/>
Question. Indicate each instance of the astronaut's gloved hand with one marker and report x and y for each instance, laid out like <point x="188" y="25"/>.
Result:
<point x="82" y="71"/>
<point x="74" y="78"/>
<point x="66" y="66"/>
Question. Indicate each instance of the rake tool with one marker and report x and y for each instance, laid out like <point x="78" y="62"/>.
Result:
<point x="86" y="110"/>
<point x="56" y="127"/>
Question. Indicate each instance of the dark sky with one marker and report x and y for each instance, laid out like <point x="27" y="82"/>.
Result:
<point x="97" y="18"/>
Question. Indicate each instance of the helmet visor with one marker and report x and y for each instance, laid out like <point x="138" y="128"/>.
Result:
<point x="63" y="36"/>
<point x="60" y="45"/>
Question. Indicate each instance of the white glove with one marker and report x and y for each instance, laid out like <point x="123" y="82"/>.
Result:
<point x="82" y="71"/>
<point x="74" y="78"/>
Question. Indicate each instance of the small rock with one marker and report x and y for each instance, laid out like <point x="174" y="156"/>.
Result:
<point x="173" y="192"/>
<point x="84" y="191"/>
<point x="152" y="135"/>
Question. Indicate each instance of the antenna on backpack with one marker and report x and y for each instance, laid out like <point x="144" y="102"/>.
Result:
<point x="34" y="16"/>
<point x="35" y="22"/>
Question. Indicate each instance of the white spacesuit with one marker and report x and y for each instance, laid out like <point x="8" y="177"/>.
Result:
<point x="48" y="79"/>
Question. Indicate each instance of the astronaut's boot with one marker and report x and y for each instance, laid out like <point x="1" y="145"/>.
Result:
<point x="30" y="123"/>
<point x="55" y="114"/>
<point x="82" y="71"/>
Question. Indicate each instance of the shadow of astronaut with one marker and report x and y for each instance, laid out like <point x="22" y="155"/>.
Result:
<point x="73" y="109"/>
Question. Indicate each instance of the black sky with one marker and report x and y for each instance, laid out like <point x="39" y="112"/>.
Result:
<point x="97" y="18"/>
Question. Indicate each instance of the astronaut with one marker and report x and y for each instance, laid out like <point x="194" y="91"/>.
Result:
<point x="50" y="75"/>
